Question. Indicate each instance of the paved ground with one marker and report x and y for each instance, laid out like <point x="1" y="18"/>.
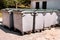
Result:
<point x="53" y="34"/>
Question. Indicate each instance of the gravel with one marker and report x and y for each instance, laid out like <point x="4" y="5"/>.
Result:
<point x="53" y="34"/>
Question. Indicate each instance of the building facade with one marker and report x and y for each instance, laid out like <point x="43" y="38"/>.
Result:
<point x="45" y="4"/>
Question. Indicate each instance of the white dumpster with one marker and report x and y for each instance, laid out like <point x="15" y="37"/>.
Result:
<point x="54" y="18"/>
<point x="58" y="17"/>
<point x="23" y="21"/>
<point x="39" y="20"/>
<point x="27" y="23"/>
<point x="6" y="17"/>
<point x="47" y="20"/>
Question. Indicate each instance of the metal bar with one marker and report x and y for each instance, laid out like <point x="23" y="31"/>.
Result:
<point x="34" y="22"/>
<point x="11" y="21"/>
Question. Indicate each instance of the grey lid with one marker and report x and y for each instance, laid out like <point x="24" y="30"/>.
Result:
<point x="45" y="10"/>
<point x="29" y="11"/>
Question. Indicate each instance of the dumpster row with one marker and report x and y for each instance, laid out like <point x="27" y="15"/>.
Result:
<point x="26" y="20"/>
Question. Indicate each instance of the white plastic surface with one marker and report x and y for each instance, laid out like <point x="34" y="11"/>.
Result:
<point x="39" y="21"/>
<point x="27" y="22"/>
<point x="47" y="20"/>
<point x="54" y="18"/>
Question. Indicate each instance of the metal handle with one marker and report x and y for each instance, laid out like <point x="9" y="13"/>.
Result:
<point x="36" y="14"/>
<point x="44" y="14"/>
<point x="23" y="15"/>
<point x="32" y="14"/>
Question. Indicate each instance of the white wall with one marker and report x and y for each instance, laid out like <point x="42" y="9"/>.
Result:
<point x="33" y="4"/>
<point x="51" y="4"/>
<point x="55" y="4"/>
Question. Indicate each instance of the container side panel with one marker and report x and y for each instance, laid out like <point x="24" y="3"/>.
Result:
<point x="18" y="21"/>
<point x="54" y="18"/>
<point x="27" y="22"/>
<point x="6" y="19"/>
<point x="47" y="20"/>
<point x="39" y="21"/>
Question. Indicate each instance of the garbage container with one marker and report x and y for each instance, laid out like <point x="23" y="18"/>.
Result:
<point x="47" y="20"/>
<point x="54" y="18"/>
<point x="58" y="17"/>
<point x="39" y="21"/>
<point x="23" y="21"/>
<point x="7" y="18"/>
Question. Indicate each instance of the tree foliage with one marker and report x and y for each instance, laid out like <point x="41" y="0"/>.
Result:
<point x="7" y="3"/>
<point x="2" y="4"/>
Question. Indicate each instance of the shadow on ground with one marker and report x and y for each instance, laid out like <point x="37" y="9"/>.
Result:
<point x="6" y="30"/>
<point x="57" y="26"/>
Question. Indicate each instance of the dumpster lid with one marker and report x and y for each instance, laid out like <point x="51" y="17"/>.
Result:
<point x="10" y="10"/>
<point x="29" y="10"/>
<point x="14" y="9"/>
<point x="45" y="10"/>
<point x="6" y="9"/>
